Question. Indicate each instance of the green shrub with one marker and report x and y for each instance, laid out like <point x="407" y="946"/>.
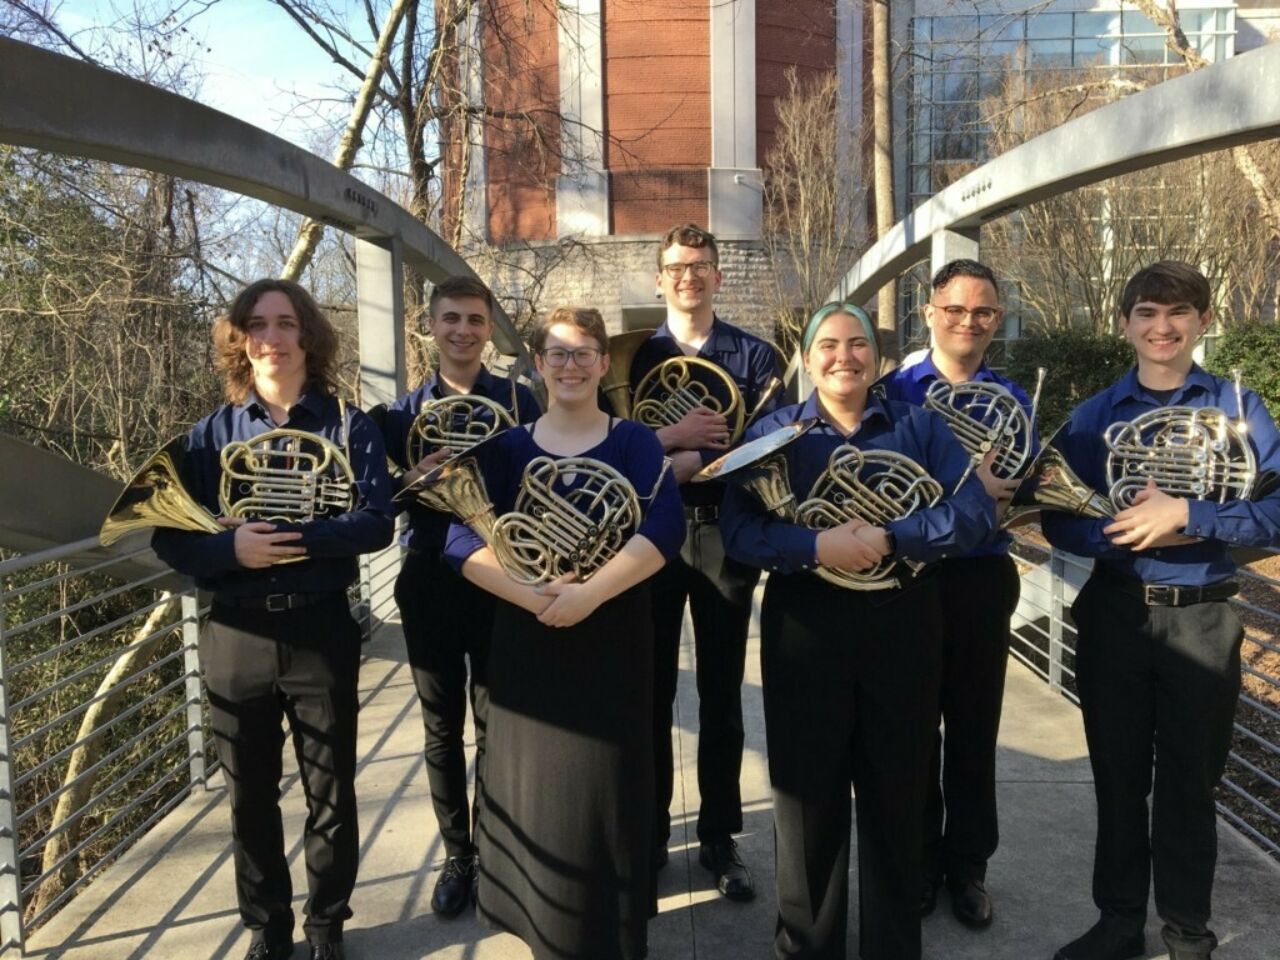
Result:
<point x="1254" y="347"/>
<point x="1078" y="362"/>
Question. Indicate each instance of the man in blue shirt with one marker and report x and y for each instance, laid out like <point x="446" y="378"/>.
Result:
<point x="447" y="620"/>
<point x="980" y="593"/>
<point x="1158" y="654"/>
<point x="280" y="640"/>
<point x="717" y="587"/>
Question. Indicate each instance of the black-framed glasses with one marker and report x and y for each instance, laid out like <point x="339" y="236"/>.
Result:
<point x="582" y="356"/>
<point x="953" y="314"/>
<point x="699" y="268"/>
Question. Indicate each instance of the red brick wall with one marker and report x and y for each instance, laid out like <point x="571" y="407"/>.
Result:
<point x="799" y="32"/>
<point x="522" y="73"/>
<point x="657" y="112"/>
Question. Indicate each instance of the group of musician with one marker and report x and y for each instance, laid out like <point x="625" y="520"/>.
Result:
<point x="892" y="692"/>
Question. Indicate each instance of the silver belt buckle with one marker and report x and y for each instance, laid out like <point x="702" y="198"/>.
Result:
<point x="279" y="602"/>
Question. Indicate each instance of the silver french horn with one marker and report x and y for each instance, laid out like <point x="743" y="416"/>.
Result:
<point x="987" y="418"/>
<point x="878" y="486"/>
<point x="1199" y="453"/>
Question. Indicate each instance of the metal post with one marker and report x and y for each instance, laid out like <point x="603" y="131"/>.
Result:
<point x="1057" y="592"/>
<point x="366" y="596"/>
<point x="195" y="688"/>
<point x="953" y="244"/>
<point x="10" y="878"/>
<point x="380" y="314"/>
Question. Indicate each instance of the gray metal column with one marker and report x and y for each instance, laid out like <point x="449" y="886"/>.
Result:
<point x="380" y="297"/>
<point x="11" y="930"/>
<point x="948" y="245"/>
<point x="194" y="689"/>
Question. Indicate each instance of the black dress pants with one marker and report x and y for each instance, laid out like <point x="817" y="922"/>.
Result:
<point x="979" y="595"/>
<point x="447" y="620"/>
<point x="718" y="590"/>
<point x="850" y="697"/>
<point x="260" y="668"/>
<point x="1158" y="689"/>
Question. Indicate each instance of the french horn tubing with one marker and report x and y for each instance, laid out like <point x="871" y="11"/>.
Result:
<point x="1195" y="452"/>
<point x="986" y="417"/>
<point x="458" y="422"/>
<point x="678" y="385"/>
<point x="285" y="476"/>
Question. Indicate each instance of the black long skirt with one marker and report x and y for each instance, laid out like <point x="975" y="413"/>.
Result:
<point x="565" y="831"/>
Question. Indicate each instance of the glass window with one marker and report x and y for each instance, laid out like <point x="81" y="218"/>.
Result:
<point x="1145" y="50"/>
<point x="920" y="29"/>
<point x="1049" y="25"/>
<point x="954" y="28"/>
<point x="1092" y="25"/>
<point x="1048" y="54"/>
<point x="1134" y="22"/>
<point x="1008" y="27"/>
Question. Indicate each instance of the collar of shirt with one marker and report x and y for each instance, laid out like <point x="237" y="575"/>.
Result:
<point x="1198" y="384"/>
<point x="720" y="341"/>
<point x="254" y="408"/>
<point x="486" y="385"/>
<point x="875" y="408"/>
<point x="927" y="370"/>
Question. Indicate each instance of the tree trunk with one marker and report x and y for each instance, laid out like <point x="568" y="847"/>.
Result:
<point x="882" y="103"/>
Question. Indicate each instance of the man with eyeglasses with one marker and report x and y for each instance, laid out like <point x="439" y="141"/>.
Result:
<point x="979" y="593"/>
<point x="717" y="588"/>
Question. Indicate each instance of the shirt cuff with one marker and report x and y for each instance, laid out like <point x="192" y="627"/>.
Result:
<point x="1202" y="519"/>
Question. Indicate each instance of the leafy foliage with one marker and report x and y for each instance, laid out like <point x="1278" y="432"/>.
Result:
<point x="1079" y="362"/>
<point x="1254" y="348"/>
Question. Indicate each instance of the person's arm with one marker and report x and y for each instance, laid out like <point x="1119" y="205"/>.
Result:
<point x="483" y="569"/>
<point x="1080" y="443"/>
<point x="571" y="603"/>
<point x="203" y="555"/>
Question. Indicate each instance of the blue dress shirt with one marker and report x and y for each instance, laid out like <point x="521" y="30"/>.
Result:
<point x="631" y="448"/>
<point x="1237" y="522"/>
<point x="749" y="360"/>
<point x="427" y="527"/>
<point x="909" y="384"/>
<point x="958" y="522"/>
<point x="332" y="543"/>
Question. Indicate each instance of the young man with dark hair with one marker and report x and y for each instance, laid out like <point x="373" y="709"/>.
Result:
<point x="979" y="593"/>
<point x="1158" y="652"/>
<point x="717" y="588"/>
<point x="280" y="640"/>
<point x="447" y="620"/>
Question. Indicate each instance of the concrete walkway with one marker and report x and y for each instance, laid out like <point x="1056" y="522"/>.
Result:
<point x="172" y="896"/>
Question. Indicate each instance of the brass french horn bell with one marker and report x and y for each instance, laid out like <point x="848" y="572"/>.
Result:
<point x="1051" y="484"/>
<point x="157" y="497"/>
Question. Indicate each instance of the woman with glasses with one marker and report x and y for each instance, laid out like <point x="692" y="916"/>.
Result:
<point x="851" y="677"/>
<point x="564" y="845"/>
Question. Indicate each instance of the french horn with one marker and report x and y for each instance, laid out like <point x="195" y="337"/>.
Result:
<point x="878" y="486"/>
<point x="458" y="422"/>
<point x="987" y="419"/>
<point x="157" y="497"/>
<point x="1195" y="452"/>
<point x="678" y="385"/>
<point x="285" y="476"/>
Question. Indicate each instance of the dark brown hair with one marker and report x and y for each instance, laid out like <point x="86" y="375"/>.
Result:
<point x="964" y="268"/>
<point x="689" y="235"/>
<point x="316" y="337"/>
<point x="1167" y="282"/>
<point x="460" y="286"/>
<point x="586" y="319"/>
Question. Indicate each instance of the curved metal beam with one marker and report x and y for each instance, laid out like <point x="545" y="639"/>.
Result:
<point x="55" y="103"/>
<point x="1219" y="106"/>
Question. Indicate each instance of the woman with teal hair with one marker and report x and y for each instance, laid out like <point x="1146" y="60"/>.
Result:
<point x="851" y="677"/>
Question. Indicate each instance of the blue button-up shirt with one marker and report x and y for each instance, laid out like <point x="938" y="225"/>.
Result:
<point x="428" y="528"/>
<point x="751" y="361"/>
<point x="332" y="543"/>
<point x="910" y="383"/>
<point x="959" y="521"/>
<point x="1222" y="525"/>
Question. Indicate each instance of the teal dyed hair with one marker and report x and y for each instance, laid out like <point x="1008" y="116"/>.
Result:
<point x="826" y="310"/>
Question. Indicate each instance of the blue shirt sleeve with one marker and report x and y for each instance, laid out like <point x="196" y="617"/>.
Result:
<point x="197" y="554"/>
<point x="662" y="510"/>
<point x="1245" y="522"/>
<point x="963" y="518"/>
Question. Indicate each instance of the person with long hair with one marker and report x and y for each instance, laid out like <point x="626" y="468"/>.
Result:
<point x="280" y="641"/>
<point x="565" y="835"/>
<point x="851" y="677"/>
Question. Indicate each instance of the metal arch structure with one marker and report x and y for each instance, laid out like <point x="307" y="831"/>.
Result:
<point x="63" y="105"/>
<point x="1219" y="106"/>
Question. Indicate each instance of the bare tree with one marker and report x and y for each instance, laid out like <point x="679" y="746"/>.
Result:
<point x="882" y="158"/>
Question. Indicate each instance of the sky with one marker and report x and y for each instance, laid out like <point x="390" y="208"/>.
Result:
<point x="256" y="63"/>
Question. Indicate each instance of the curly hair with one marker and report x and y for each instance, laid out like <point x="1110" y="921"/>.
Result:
<point x="586" y="319"/>
<point x="689" y="235"/>
<point x="316" y="337"/>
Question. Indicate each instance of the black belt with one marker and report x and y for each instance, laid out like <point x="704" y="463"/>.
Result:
<point x="276" y="602"/>
<point x="1172" y="594"/>
<point x="707" y="514"/>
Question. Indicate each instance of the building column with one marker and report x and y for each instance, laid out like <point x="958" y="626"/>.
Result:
<point x="735" y="186"/>
<point x="582" y="189"/>
<point x="954" y="244"/>
<point x="849" y="60"/>
<point x="475" y="210"/>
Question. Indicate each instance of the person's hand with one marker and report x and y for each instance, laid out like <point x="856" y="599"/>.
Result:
<point x="841" y="547"/>
<point x="875" y="537"/>
<point x="426" y="465"/>
<point x="258" y="545"/>
<point x="1154" y="520"/>
<point x="684" y="464"/>
<point x="571" y="602"/>
<point x="699" y="429"/>
<point x="1001" y="491"/>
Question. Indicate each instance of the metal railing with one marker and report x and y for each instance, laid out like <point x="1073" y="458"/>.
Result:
<point x="1044" y="638"/>
<point x="103" y="718"/>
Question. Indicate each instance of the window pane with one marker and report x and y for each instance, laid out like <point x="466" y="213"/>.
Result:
<point x="1135" y="22"/>
<point x="1142" y="50"/>
<point x="955" y="28"/>
<point x="1049" y="25"/>
<point x="1048" y="54"/>
<point x="1095" y="24"/>
<point x="920" y="29"/>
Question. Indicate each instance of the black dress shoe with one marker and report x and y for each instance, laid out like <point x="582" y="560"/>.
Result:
<point x="733" y="879"/>
<point x="971" y="904"/>
<point x="453" y="889"/>
<point x="327" y="951"/>
<point x="269" y="951"/>
<point x="929" y="897"/>
<point x="1104" y="942"/>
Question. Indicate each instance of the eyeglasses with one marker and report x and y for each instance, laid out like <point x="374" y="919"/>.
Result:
<point x="983" y="316"/>
<point x="699" y="268"/>
<point x="582" y="356"/>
